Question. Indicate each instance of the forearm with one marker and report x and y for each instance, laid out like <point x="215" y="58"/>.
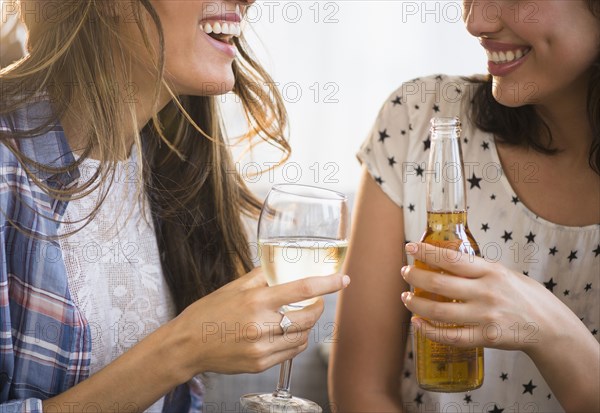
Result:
<point x="131" y="383"/>
<point x="570" y="364"/>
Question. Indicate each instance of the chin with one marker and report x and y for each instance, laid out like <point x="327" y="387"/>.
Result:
<point x="221" y="83"/>
<point x="513" y="94"/>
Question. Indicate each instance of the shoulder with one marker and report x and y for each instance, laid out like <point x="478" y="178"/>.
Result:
<point x="429" y="96"/>
<point x="409" y="108"/>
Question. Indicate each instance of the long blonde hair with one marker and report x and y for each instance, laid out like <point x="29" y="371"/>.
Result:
<point x="195" y="194"/>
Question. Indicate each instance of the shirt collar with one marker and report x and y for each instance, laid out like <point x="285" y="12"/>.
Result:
<point x="50" y="149"/>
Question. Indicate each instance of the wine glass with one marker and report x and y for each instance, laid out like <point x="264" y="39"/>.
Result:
<point x="302" y="232"/>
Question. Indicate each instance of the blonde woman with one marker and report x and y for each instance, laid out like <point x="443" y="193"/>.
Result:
<point x="123" y="249"/>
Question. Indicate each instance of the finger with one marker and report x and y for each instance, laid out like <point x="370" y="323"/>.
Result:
<point x="467" y="336"/>
<point x="279" y="357"/>
<point x="445" y="312"/>
<point x="456" y="262"/>
<point x="306" y="288"/>
<point x="253" y="279"/>
<point x="447" y="285"/>
<point x="306" y="318"/>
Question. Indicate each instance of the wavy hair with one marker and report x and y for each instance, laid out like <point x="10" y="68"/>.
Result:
<point x="196" y="197"/>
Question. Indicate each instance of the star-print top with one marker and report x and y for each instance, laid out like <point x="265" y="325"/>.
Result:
<point x="566" y="260"/>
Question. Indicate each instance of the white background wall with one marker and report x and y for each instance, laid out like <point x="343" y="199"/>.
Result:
<point x="337" y="61"/>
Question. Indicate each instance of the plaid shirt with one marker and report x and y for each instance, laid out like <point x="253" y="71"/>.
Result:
<point x="45" y="342"/>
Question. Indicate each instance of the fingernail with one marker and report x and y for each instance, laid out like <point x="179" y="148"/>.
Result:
<point x="411" y="248"/>
<point x="345" y="281"/>
<point x="416" y="321"/>
<point x="404" y="296"/>
<point x="403" y="270"/>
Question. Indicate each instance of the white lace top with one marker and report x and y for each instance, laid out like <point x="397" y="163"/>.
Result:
<point x="113" y="266"/>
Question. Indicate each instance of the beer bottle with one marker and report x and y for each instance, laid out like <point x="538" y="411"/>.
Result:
<point x="440" y="367"/>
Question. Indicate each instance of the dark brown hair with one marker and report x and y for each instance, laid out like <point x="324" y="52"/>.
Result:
<point x="522" y="125"/>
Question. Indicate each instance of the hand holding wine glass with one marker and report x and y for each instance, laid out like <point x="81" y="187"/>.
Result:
<point x="302" y="232"/>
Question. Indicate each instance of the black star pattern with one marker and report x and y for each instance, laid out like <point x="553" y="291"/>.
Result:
<point x="427" y="143"/>
<point x="407" y="374"/>
<point x="485" y="227"/>
<point x="397" y="101"/>
<point x="530" y="238"/>
<point x="566" y="292"/>
<point x="474" y="181"/>
<point x="383" y="136"/>
<point x="529" y="387"/>
<point x="588" y="287"/>
<point x="594" y="332"/>
<point x="493" y="197"/>
<point x="392" y="161"/>
<point x="466" y="140"/>
<point x="572" y="255"/>
<point x="526" y="273"/>
<point x="496" y="409"/>
<point x="549" y="396"/>
<point x="458" y="91"/>
<point x="515" y="200"/>
<point x="552" y="251"/>
<point x="410" y="355"/>
<point x="419" y="399"/>
<point x="436" y="108"/>
<point x="504" y="376"/>
<point x="550" y="284"/>
<point x="379" y="180"/>
<point x="507" y="236"/>
<point x="403" y="132"/>
<point x="419" y="171"/>
<point x="410" y="126"/>
<point x="411" y="208"/>
<point x="485" y="146"/>
<point x="417" y="107"/>
<point x="467" y="398"/>
<point x="597" y="251"/>
<point x="439" y="77"/>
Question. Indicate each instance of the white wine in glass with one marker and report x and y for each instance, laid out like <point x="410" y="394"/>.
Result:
<point x="302" y="232"/>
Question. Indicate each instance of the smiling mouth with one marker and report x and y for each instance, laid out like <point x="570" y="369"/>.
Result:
<point x="222" y="31"/>
<point x="507" y="56"/>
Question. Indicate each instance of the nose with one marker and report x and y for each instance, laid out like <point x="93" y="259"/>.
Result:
<point x="482" y="17"/>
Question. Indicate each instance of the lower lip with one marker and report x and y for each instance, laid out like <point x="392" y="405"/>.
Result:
<point x="228" y="49"/>
<point x="504" y="69"/>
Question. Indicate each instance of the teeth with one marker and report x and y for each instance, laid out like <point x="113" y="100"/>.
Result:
<point x="508" y="56"/>
<point x="227" y="28"/>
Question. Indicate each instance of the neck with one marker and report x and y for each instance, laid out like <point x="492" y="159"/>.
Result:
<point x="77" y="127"/>
<point x="567" y="118"/>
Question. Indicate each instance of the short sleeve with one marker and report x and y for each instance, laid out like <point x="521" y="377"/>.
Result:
<point x="386" y="147"/>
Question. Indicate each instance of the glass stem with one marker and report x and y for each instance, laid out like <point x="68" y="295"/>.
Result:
<point x="285" y="378"/>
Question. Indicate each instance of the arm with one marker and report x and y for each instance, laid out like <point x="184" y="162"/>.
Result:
<point x="200" y="340"/>
<point x="366" y="361"/>
<point x="563" y="349"/>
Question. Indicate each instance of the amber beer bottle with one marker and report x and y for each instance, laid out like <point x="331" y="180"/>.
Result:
<point x="441" y="367"/>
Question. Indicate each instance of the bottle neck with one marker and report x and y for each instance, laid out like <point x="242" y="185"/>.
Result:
<point x="446" y="190"/>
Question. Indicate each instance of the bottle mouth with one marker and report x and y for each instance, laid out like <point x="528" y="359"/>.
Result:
<point x="445" y="123"/>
